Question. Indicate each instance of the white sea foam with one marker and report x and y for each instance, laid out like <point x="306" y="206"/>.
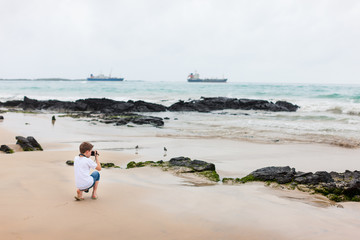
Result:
<point x="327" y="113"/>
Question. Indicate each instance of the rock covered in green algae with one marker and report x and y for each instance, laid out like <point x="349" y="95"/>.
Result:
<point x="34" y="143"/>
<point x="195" y="165"/>
<point x="183" y="165"/>
<point x="133" y="164"/>
<point x="211" y="175"/>
<point x="277" y="174"/>
<point x="70" y="162"/>
<point x="107" y="165"/>
<point x="6" y="149"/>
<point x="335" y="186"/>
<point x="120" y="119"/>
<point x="248" y="178"/>
<point x="28" y="144"/>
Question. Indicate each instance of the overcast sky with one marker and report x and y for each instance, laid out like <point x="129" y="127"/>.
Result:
<point x="164" y="40"/>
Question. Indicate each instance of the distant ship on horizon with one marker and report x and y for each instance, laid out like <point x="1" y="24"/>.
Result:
<point x="102" y="77"/>
<point x="196" y="78"/>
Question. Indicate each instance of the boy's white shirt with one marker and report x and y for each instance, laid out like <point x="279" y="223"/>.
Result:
<point x="82" y="166"/>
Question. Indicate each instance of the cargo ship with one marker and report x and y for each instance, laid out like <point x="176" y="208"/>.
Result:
<point x="196" y="78"/>
<point x="102" y="77"/>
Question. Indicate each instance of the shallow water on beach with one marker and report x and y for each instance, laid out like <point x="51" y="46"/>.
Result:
<point x="328" y="113"/>
<point x="180" y="139"/>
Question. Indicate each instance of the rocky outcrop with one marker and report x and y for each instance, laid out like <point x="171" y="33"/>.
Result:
<point x="70" y="162"/>
<point x="221" y="103"/>
<point x="1" y="117"/>
<point x="194" y="165"/>
<point x="12" y="103"/>
<point x="336" y="186"/>
<point x="121" y="119"/>
<point x="109" y="106"/>
<point x="313" y="178"/>
<point x="28" y="144"/>
<point x="183" y="165"/>
<point x="6" y="149"/>
<point x="101" y="105"/>
<point x="134" y="118"/>
<point x="277" y="174"/>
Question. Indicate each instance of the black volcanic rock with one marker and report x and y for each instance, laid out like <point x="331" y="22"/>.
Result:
<point x="288" y="106"/>
<point x="31" y="103"/>
<point x="277" y="174"/>
<point x="126" y="118"/>
<point x="109" y="106"/>
<point x="335" y="186"/>
<point x="220" y="103"/>
<point x="95" y="104"/>
<point x="182" y="165"/>
<point x="141" y="106"/>
<point x="34" y="143"/>
<point x="13" y="103"/>
<point x="155" y="121"/>
<point x="101" y="105"/>
<point x="196" y="165"/>
<point x="6" y="149"/>
<point x="316" y="178"/>
<point x="70" y="162"/>
<point x="24" y="143"/>
<point x="28" y="144"/>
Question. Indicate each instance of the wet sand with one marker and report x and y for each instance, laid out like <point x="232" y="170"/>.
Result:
<point x="38" y="187"/>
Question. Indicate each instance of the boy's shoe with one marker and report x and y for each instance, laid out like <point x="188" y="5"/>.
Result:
<point x="78" y="199"/>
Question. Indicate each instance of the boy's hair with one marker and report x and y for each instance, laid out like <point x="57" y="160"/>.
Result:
<point x="85" y="146"/>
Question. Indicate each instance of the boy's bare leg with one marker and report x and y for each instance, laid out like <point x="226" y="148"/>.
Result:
<point x="79" y="193"/>
<point x="94" y="195"/>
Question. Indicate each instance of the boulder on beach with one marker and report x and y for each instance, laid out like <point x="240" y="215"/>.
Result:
<point x="183" y="165"/>
<point x="28" y="144"/>
<point x="277" y="174"/>
<point x="70" y="162"/>
<point x="195" y="165"/>
<point x="313" y="178"/>
<point x="124" y="119"/>
<point x="336" y="186"/>
<point x="6" y="149"/>
<point x="155" y="121"/>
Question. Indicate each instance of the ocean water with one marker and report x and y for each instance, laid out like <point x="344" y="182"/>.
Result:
<point x="328" y="113"/>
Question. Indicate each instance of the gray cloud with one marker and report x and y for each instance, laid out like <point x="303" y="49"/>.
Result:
<point x="275" y="41"/>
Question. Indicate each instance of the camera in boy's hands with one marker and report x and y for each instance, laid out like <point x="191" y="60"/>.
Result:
<point x="93" y="153"/>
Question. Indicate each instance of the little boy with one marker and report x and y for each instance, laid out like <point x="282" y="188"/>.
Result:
<point x="82" y="165"/>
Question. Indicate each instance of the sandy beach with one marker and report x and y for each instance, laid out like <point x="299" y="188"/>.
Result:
<point x="37" y="190"/>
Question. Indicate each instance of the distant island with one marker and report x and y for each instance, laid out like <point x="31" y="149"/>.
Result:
<point x="41" y="79"/>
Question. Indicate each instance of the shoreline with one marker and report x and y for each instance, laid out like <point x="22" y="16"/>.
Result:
<point x="192" y="125"/>
<point x="149" y="203"/>
<point x="151" y="141"/>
